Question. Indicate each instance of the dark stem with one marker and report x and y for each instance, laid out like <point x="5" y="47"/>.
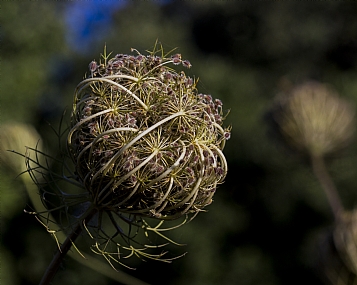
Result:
<point x="65" y="247"/>
<point x="320" y="171"/>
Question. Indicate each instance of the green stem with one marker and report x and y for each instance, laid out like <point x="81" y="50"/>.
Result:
<point x="321" y="173"/>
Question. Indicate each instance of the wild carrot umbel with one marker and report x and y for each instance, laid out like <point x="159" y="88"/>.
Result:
<point x="143" y="140"/>
<point x="143" y="148"/>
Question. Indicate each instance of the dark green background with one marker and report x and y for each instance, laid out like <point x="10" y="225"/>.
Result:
<point x="266" y="220"/>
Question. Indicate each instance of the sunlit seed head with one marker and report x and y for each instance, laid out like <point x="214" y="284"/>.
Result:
<point x="160" y="136"/>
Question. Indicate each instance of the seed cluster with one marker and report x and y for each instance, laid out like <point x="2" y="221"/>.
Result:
<point x="143" y="140"/>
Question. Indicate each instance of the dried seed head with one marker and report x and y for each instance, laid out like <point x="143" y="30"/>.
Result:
<point x="314" y="120"/>
<point x="153" y="145"/>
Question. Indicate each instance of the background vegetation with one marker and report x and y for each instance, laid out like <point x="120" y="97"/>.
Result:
<point x="267" y="219"/>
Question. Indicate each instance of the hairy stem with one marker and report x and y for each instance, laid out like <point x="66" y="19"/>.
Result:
<point x="321" y="173"/>
<point x="63" y="250"/>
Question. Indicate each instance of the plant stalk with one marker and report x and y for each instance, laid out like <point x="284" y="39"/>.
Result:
<point x="324" y="178"/>
<point x="63" y="250"/>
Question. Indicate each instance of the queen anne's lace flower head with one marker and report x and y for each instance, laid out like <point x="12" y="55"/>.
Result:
<point x="144" y="141"/>
<point x="144" y="147"/>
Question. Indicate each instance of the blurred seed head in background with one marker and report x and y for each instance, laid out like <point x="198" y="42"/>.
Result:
<point x="312" y="119"/>
<point x="337" y="257"/>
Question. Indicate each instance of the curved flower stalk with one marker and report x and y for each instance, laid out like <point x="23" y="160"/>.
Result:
<point x="144" y="148"/>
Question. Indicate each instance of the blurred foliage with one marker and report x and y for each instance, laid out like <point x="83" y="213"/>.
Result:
<point x="264" y="223"/>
